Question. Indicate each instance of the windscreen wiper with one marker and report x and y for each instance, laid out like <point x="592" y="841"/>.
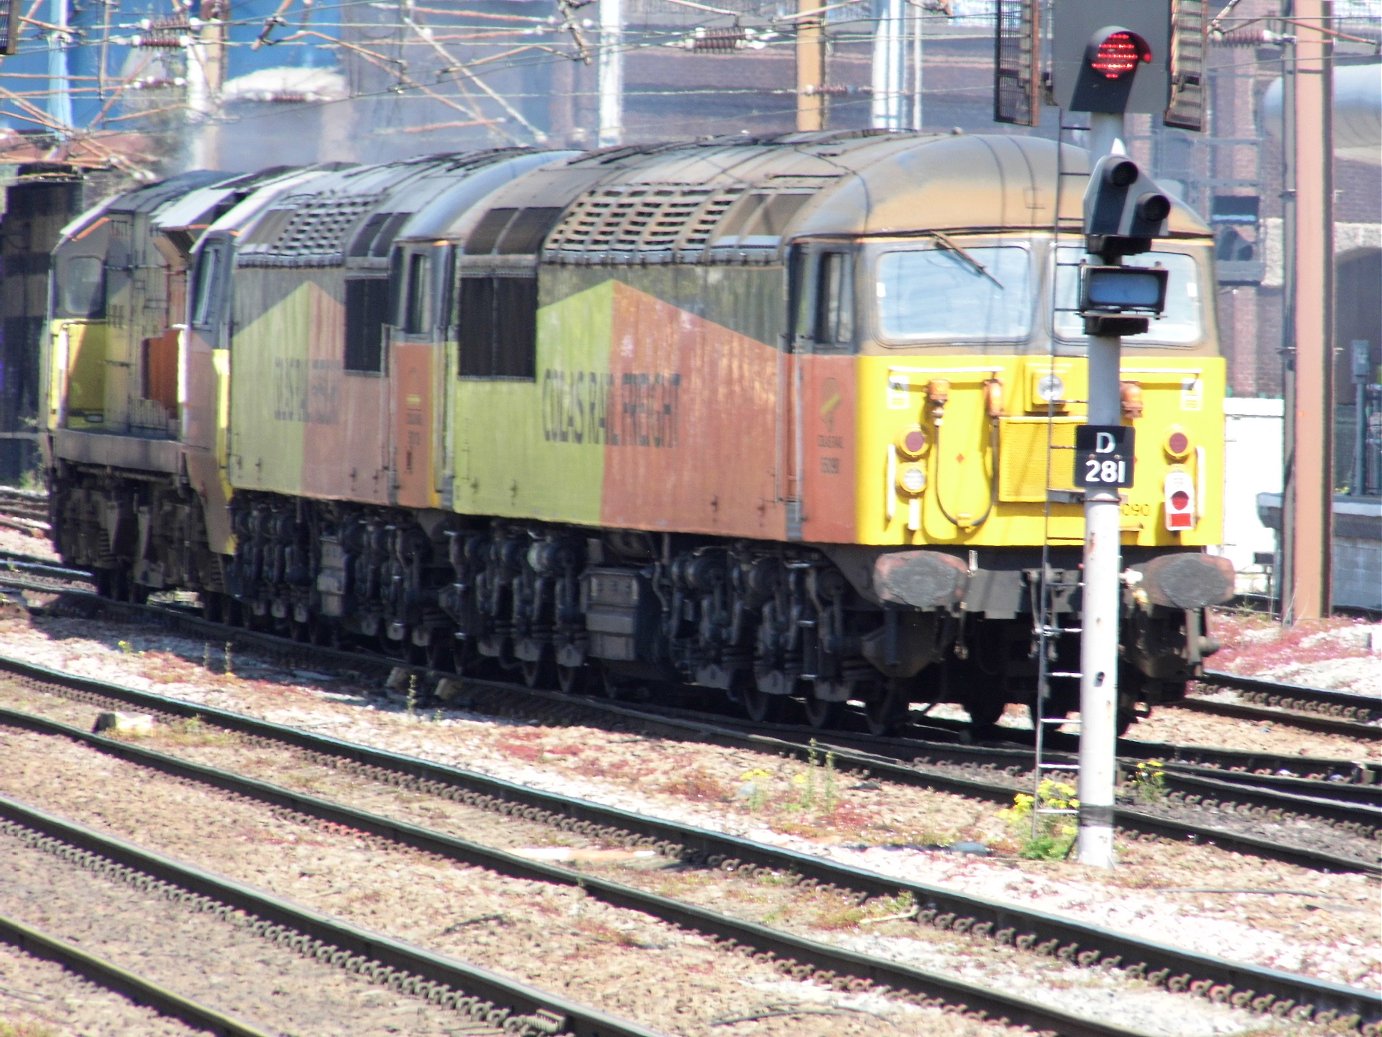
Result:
<point x="967" y="256"/>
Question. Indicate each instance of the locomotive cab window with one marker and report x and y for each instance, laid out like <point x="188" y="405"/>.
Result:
<point x="417" y="294"/>
<point x="209" y="284"/>
<point x="80" y="287"/>
<point x="951" y="291"/>
<point x="1180" y="324"/>
<point x="823" y="300"/>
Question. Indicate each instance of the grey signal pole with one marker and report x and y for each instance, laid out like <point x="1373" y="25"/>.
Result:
<point x="1102" y="562"/>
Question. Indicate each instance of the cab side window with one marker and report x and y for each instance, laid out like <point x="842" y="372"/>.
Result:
<point x="80" y="288"/>
<point x="417" y="312"/>
<point x="208" y="285"/>
<point x="823" y="301"/>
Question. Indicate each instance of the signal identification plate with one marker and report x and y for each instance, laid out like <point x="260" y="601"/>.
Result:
<point x="1103" y="455"/>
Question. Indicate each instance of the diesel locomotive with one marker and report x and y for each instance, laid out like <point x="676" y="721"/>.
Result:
<point x="791" y="418"/>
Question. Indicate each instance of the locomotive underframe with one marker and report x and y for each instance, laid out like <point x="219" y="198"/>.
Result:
<point x="764" y="622"/>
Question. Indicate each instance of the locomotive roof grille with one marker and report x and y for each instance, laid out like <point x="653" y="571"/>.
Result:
<point x="317" y="230"/>
<point x="641" y="221"/>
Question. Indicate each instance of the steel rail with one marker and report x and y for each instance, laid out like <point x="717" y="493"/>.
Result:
<point x="1069" y="940"/>
<point x="1322" y="709"/>
<point x="1330" y="698"/>
<point x="654" y="832"/>
<point x="1345" y="802"/>
<point x="818" y="956"/>
<point x="105" y="974"/>
<point x="398" y="955"/>
<point x="1276" y="715"/>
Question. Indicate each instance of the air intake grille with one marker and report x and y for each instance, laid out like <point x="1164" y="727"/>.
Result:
<point x="641" y="220"/>
<point x="318" y="230"/>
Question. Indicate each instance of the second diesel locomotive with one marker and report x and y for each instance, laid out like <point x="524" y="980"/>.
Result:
<point x="790" y="417"/>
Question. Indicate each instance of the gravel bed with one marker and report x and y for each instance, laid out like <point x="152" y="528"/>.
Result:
<point x="218" y="963"/>
<point x="555" y="937"/>
<point x="1204" y="899"/>
<point x="40" y="998"/>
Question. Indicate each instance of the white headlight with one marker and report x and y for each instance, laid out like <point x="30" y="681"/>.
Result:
<point x="911" y="479"/>
<point x="1051" y="389"/>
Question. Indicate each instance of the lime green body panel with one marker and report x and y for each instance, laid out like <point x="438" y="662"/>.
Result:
<point x="536" y="448"/>
<point x="300" y="422"/>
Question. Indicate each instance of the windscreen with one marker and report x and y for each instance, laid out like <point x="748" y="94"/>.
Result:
<point x="955" y="293"/>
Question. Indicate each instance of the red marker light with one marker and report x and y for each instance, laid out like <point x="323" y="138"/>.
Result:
<point x="1119" y="53"/>
<point x="1179" y="495"/>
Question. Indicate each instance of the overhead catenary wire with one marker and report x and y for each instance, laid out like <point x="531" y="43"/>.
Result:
<point x="392" y="47"/>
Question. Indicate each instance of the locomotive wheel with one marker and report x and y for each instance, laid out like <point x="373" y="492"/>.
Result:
<point x="985" y="712"/>
<point x="213" y="607"/>
<point x="393" y="649"/>
<point x="885" y="711"/>
<point x="441" y="656"/>
<point x="761" y="707"/>
<point x="540" y="673"/>
<point x="821" y="713"/>
<point x="572" y="680"/>
<point x="1126" y="718"/>
<point x="324" y="633"/>
<point x="1050" y="711"/>
<point x="617" y="687"/>
<point x="465" y="660"/>
<point x="231" y="611"/>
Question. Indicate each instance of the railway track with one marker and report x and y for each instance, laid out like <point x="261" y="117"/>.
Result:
<point x="153" y="894"/>
<point x="24" y="510"/>
<point x="1066" y="941"/>
<point x="1316" y="709"/>
<point x="45" y="945"/>
<point x="1214" y="795"/>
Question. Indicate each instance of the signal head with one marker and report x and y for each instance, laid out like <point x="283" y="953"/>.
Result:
<point x="1115" y="52"/>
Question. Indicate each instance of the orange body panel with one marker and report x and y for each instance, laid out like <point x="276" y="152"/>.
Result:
<point x="693" y="437"/>
<point x="828" y="476"/>
<point x="413" y="430"/>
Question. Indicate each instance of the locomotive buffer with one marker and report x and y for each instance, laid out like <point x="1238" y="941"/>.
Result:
<point x="1109" y="57"/>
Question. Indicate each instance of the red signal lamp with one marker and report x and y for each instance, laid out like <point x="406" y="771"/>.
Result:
<point x="1116" y="54"/>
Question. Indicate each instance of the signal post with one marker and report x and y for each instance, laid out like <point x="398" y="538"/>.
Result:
<point x="1109" y="57"/>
